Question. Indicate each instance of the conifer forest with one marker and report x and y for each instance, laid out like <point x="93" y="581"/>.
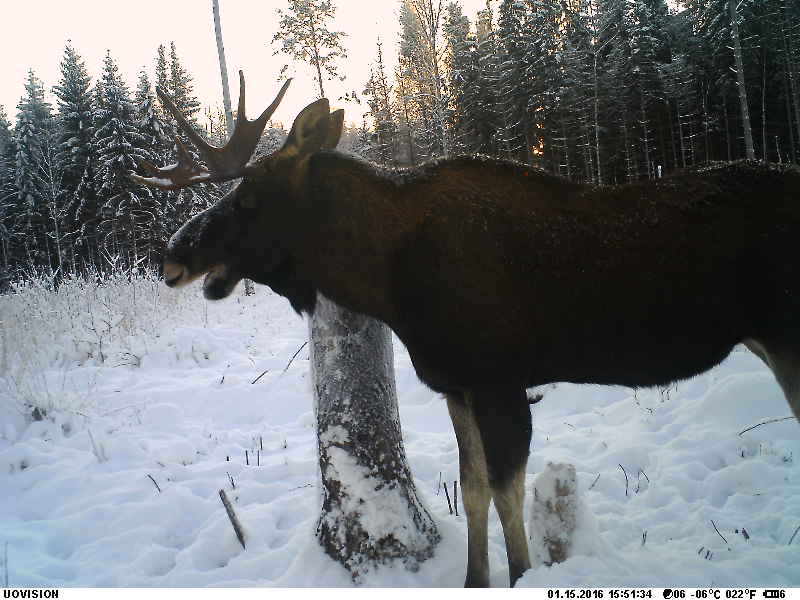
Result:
<point x="601" y="91"/>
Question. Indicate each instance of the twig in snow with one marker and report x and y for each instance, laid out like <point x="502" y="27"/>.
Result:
<point x="237" y="527"/>
<point x="259" y="377"/>
<point x="595" y="481"/>
<point x="718" y="533"/>
<point x="99" y="451"/>
<point x="286" y="368"/>
<point x="455" y="496"/>
<point x="644" y="537"/>
<point x="246" y="458"/>
<point x="300" y="487"/>
<point x="745" y="534"/>
<point x="765" y="423"/>
<point x="261" y="442"/>
<point x="626" y="479"/>
<point x="258" y="458"/>
<point x="791" y="539"/>
<point x="222" y="380"/>
<point x="639" y="474"/>
<point x="439" y="485"/>
<point x="154" y="482"/>
<point x="230" y="478"/>
<point x="447" y="495"/>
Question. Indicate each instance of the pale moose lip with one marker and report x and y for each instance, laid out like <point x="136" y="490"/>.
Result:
<point x="177" y="275"/>
<point x="219" y="283"/>
<point x="173" y="273"/>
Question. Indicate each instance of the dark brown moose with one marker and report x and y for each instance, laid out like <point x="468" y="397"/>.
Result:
<point x="498" y="276"/>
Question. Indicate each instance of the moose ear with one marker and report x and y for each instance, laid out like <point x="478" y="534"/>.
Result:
<point x="335" y="126"/>
<point x="310" y="129"/>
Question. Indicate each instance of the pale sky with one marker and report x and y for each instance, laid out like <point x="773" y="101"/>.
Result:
<point x="35" y="33"/>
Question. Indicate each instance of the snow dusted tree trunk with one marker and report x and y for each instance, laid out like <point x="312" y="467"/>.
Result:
<point x="737" y="54"/>
<point x="223" y="69"/>
<point x="249" y="288"/>
<point x="371" y="513"/>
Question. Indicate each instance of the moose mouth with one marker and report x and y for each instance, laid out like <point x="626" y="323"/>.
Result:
<point x="218" y="283"/>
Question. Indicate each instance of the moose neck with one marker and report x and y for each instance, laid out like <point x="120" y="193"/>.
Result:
<point x="350" y="223"/>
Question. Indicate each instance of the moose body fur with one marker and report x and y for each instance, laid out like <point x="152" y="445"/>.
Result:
<point x="498" y="276"/>
<point x="494" y="272"/>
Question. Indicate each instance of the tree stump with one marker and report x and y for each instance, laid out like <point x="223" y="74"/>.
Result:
<point x="371" y="513"/>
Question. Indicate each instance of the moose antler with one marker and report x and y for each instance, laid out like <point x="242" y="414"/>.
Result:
<point x="228" y="162"/>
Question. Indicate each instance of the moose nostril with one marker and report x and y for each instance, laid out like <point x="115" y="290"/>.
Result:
<point x="173" y="272"/>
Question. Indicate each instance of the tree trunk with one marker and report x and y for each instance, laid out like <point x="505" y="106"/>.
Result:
<point x="596" y="120"/>
<point x="764" y="103"/>
<point x="223" y="69"/>
<point x="645" y="138"/>
<point x="737" y="54"/>
<point x="371" y="513"/>
<point x="727" y="123"/>
<point x="791" y="98"/>
<point x="249" y="288"/>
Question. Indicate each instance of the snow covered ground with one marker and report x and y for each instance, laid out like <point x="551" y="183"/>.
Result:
<point x="173" y="399"/>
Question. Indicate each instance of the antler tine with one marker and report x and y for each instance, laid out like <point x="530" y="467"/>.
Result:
<point x="203" y="146"/>
<point x="184" y="173"/>
<point x="240" y="113"/>
<point x="228" y="162"/>
<point x="245" y="136"/>
<point x="264" y="117"/>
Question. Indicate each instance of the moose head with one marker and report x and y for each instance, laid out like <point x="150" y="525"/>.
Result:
<point x="244" y="235"/>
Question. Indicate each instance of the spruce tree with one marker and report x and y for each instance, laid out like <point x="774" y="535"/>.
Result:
<point x="515" y="86"/>
<point x="462" y="75"/>
<point x="75" y="133"/>
<point x="180" y="88"/>
<point x="7" y="195"/>
<point x="551" y="132"/>
<point x="378" y="93"/>
<point x="31" y="138"/>
<point x="74" y="119"/>
<point x="184" y="203"/>
<point x="485" y="106"/>
<point x="120" y="147"/>
<point x="152" y="229"/>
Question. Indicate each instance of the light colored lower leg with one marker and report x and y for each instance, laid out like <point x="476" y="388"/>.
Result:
<point x="509" y="503"/>
<point x="475" y="493"/>
<point x="785" y="365"/>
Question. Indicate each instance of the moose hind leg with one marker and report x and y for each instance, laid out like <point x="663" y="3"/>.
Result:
<point x="504" y="419"/>
<point x="475" y="493"/>
<point x="785" y="365"/>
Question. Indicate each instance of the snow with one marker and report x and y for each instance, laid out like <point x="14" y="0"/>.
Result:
<point x="169" y="395"/>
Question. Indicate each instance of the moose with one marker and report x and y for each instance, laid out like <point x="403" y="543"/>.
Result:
<point x="498" y="276"/>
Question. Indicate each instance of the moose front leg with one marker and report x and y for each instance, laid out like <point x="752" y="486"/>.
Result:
<point x="503" y="417"/>
<point x="475" y="491"/>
